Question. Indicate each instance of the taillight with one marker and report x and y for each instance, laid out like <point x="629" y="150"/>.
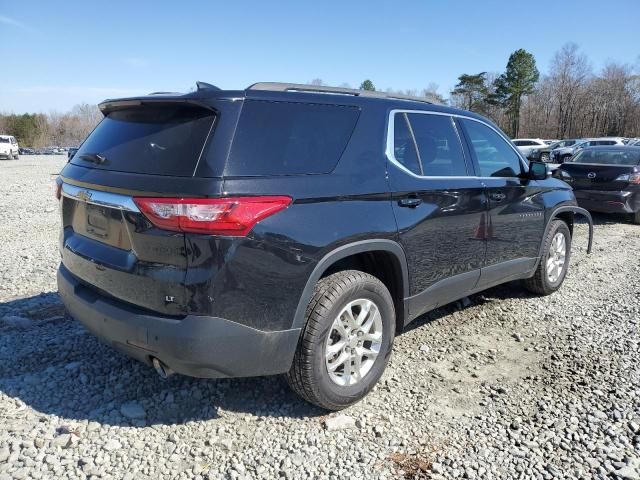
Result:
<point x="233" y="216"/>
<point x="630" y="177"/>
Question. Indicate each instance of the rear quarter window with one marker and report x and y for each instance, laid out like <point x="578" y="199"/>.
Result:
<point x="287" y="138"/>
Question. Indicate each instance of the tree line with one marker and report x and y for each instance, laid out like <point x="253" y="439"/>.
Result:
<point x="569" y="100"/>
<point x="40" y="130"/>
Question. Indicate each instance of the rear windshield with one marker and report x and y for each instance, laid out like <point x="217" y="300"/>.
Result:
<point x="607" y="157"/>
<point x="282" y="138"/>
<point x="158" y="139"/>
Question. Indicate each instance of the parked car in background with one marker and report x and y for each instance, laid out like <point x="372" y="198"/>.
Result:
<point x="9" y="148"/>
<point x="27" y="151"/>
<point x="560" y="155"/>
<point x="605" y="179"/>
<point x="528" y="145"/>
<point x="544" y="154"/>
<point x="259" y="253"/>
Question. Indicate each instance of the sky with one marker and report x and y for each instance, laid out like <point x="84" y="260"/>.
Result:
<point x="57" y="54"/>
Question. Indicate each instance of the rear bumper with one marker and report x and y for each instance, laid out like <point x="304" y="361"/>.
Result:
<point x="197" y="346"/>
<point x="607" y="201"/>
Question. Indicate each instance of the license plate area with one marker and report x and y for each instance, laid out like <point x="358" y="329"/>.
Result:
<point x="97" y="221"/>
<point x="104" y="224"/>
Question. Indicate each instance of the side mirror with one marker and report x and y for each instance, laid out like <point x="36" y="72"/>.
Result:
<point x="538" y="171"/>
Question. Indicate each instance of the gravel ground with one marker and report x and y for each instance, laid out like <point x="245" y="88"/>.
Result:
<point x="500" y="385"/>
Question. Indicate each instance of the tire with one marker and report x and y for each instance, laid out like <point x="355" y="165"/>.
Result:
<point x="635" y="217"/>
<point x="544" y="280"/>
<point x="564" y="158"/>
<point x="16" y="157"/>
<point x="309" y="375"/>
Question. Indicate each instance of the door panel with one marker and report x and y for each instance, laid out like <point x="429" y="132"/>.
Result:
<point x="441" y="219"/>
<point x="516" y="213"/>
<point x="516" y="219"/>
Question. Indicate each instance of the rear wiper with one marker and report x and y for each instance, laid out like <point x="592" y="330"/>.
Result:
<point x="93" y="157"/>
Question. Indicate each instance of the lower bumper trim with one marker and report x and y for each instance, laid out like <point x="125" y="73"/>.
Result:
<point x="197" y="346"/>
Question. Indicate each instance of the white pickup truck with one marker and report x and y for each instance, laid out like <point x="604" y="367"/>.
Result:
<point x="8" y="147"/>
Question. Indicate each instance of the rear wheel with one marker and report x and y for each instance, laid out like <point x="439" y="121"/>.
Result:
<point x="635" y="217"/>
<point x="346" y="342"/>
<point x="554" y="261"/>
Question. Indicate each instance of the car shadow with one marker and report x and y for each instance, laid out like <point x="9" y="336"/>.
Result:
<point x="53" y="365"/>
<point x="501" y="292"/>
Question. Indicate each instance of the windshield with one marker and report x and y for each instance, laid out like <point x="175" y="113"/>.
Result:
<point x="607" y="157"/>
<point x="4" y="140"/>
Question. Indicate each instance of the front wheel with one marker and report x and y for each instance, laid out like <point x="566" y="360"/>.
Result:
<point x="346" y="342"/>
<point x="554" y="261"/>
<point x="635" y="217"/>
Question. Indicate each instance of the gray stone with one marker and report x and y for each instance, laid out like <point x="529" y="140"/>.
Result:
<point x="339" y="422"/>
<point x="112" y="444"/>
<point x="133" y="410"/>
<point x="16" y="321"/>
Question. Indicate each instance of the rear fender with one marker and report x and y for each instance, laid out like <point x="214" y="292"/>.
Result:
<point x="343" y="252"/>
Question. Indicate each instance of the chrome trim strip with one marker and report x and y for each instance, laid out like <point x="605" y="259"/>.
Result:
<point x="390" y="141"/>
<point x="98" y="197"/>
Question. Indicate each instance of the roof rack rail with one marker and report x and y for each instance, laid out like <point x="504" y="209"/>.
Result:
<point x="164" y="93"/>
<point x="299" y="87"/>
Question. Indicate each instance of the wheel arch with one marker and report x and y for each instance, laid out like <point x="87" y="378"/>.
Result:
<point x="333" y="259"/>
<point x="566" y="213"/>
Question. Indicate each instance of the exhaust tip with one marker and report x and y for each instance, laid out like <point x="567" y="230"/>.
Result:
<point x="161" y="369"/>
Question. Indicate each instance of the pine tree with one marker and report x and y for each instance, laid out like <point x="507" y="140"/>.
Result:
<point x="519" y="79"/>
<point x="367" y="85"/>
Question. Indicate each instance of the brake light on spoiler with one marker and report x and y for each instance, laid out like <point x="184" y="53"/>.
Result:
<point x="230" y="216"/>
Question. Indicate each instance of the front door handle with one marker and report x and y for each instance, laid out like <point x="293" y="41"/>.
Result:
<point x="498" y="197"/>
<point x="410" y="202"/>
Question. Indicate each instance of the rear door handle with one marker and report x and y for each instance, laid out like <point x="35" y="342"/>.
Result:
<point x="410" y="202"/>
<point x="498" y="197"/>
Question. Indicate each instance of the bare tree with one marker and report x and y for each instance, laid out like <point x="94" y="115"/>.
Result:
<point x="568" y="75"/>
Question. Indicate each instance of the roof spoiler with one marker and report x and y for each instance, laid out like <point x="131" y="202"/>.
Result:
<point x="109" y="106"/>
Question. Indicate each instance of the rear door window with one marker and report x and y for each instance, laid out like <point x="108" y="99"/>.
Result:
<point x="288" y="138"/>
<point x="439" y="148"/>
<point x="150" y="139"/>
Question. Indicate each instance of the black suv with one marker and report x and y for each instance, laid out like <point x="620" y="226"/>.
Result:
<point x="293" y="229"/>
